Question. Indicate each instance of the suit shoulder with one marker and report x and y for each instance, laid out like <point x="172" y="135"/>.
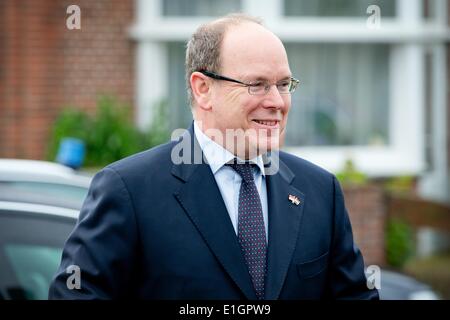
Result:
<point x="302" y="167"/>
<point x="145" y="161"/>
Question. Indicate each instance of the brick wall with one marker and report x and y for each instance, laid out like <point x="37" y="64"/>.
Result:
<point x="44" y="66"/>
<point x="366" y="207"/>
<point x="418" y="213"/>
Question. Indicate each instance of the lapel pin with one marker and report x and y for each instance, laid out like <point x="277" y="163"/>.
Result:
<point x="295" y="200"/>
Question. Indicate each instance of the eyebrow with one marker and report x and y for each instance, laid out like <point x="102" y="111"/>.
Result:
<point x="262" y="78"/>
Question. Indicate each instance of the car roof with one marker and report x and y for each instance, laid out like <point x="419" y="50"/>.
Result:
<point x="8" y="193"/>
<point x="56" y="211"/>
<point x="40" y="171"/>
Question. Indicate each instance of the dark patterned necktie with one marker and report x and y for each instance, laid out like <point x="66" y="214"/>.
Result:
<point x="251" y="231"/>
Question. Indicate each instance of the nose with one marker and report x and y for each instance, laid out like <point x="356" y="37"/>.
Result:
<point x="273" y="98"/>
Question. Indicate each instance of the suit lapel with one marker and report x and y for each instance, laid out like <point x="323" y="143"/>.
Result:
<point x="201" y="199"/>
<point x="284" y="224"/>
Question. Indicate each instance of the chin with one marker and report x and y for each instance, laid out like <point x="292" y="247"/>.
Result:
<point x="257" y="142"/>
<point x="271" y="144"/>
<point x="265" y="145"/>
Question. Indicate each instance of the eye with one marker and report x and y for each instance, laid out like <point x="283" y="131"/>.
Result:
<point x="284" y="84"/>
<point x="257" y="84"/>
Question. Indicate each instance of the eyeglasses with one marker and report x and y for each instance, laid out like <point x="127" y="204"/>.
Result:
<point x="259" y="87"/>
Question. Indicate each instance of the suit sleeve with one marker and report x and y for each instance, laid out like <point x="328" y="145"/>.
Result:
<point x="347" y="277"/>
<point x="103" y="243"/>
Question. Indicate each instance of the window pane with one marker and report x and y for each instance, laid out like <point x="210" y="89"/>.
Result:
<point x="200" y="7"/>
<point x="31" y="245"/>
<point x="180" y="115"/>
<point x="429" y="10"/>
<point x="343" y="97"/>
<point x="337" y="8"/>
<point x="34" y="267"/>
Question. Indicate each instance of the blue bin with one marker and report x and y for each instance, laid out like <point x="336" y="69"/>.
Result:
<point x="71" y="152"/>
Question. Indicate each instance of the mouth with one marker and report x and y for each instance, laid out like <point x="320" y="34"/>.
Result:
<point x="268" y="124"/>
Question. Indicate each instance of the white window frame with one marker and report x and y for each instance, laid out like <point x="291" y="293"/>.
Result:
<point x="408" y="34"/>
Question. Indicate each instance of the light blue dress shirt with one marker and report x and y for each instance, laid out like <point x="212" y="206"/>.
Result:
<point x="228" y="180"/>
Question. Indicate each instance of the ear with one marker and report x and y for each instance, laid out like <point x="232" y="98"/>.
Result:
<point x="201" y="86"/>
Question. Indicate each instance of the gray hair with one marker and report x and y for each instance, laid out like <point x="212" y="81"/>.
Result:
<point x="203" y="49"/>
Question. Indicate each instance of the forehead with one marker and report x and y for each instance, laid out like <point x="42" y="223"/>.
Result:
<point x="250" y="49"/>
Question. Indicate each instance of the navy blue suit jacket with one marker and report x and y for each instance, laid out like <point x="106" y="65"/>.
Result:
<point x="156" y="230"/>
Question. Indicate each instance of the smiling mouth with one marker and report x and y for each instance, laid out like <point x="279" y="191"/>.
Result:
<point x="267" y="123"/>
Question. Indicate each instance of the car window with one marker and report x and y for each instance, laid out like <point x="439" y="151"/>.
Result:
<point x="34" y="267"/>
<point x="30" y="251"/>
<point x="67" y="192"/>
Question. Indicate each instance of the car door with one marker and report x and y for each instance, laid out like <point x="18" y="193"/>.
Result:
<point x="31" y="244"/>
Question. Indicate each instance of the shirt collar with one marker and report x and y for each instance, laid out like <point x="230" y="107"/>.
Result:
<point x="216" y="155"/>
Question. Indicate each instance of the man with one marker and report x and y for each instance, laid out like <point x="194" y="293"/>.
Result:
<point x="246" y="223"/>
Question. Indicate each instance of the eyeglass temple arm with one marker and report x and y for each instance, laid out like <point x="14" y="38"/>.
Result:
<point x="219" y="77"/>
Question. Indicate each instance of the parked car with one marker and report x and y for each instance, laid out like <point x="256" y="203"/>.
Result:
<point x="42" y="179"/>
<point x="39" y="206"/>
<point x="397" y="286"/>
<point x="32" y="237"/>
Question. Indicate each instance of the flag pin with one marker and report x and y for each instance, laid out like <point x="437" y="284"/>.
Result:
<point x="295" y="200"/>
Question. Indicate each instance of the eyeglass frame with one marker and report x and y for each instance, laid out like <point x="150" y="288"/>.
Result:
<point x="293" y="83"/>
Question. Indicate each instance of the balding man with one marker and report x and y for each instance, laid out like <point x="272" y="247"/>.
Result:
<point x="220" y="213"/>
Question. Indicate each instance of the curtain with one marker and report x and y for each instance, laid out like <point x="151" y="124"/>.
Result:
<point x="343" y="97"/>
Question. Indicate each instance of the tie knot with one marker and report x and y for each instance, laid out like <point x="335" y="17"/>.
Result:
<point x="245" y="170"/>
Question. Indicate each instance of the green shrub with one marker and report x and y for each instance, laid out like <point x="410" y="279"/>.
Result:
<point x="350" y="176"/>
<point x="401" y="185"/>
<point x="399" y="242"/>
<point x="158" y="132"/>
<point x="110" y="135"/>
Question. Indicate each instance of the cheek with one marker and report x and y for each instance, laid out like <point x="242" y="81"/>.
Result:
<point x="236" y="106"/>
<point x="233" y="99"/>
<point x="287" y="107"/>
<point x="229" y="108"/>
<point x="287" y="103"/>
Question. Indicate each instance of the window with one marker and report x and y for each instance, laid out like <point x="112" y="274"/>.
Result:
<point x="180" y="115"/>
<point x="200" y="7"/>
<point x="362" y="93"/>
<point x="34" y="267"/>
<point x="343" y="98"/>
<point x="30" y="252"/>
<point x="336" y="8"/>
